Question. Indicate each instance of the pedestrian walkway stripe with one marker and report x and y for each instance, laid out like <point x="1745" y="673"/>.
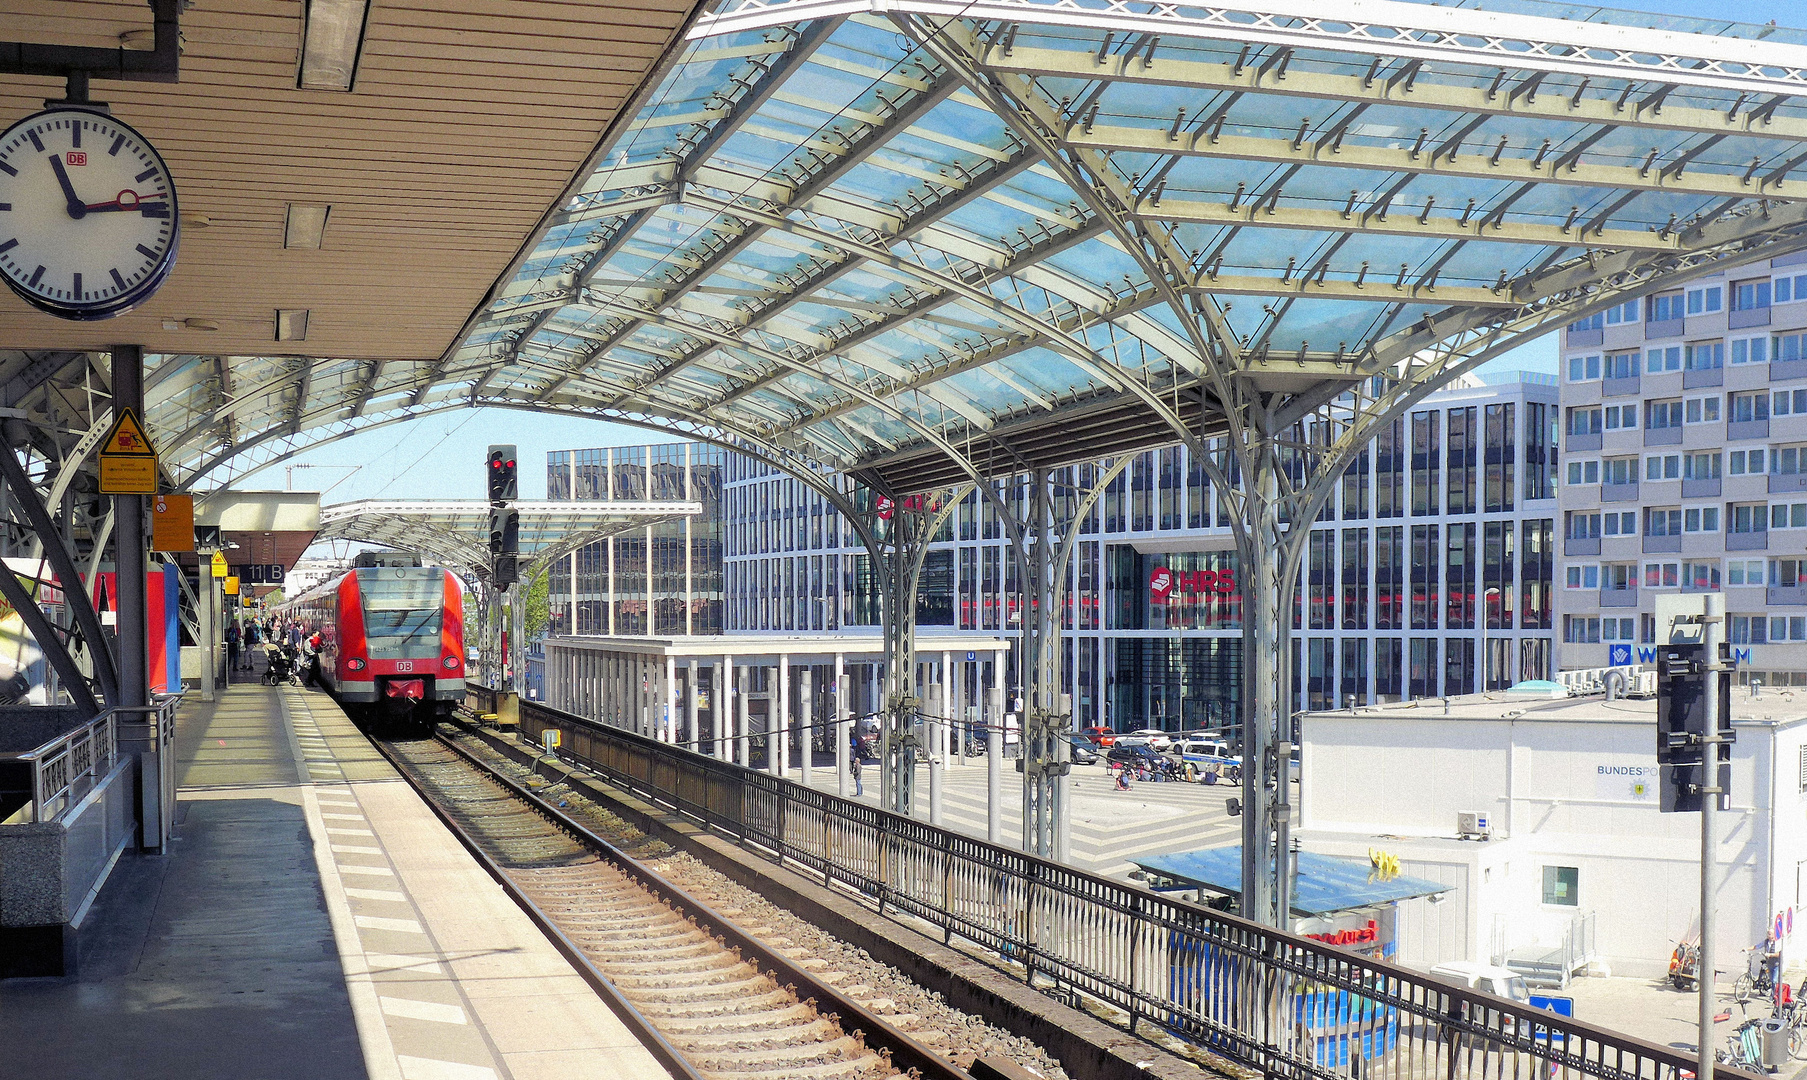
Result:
<point x="373" y="922"/>
<point x="423" y="1010"/>
<point x="414" y="1068"/>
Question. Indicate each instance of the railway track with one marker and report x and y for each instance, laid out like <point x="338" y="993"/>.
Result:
<point x="717" y="1003"/>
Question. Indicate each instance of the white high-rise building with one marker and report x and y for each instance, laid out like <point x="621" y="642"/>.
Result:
<point x="1685" y="469"/>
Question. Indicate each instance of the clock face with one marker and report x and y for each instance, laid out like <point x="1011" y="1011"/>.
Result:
<point x="87" y="214"/>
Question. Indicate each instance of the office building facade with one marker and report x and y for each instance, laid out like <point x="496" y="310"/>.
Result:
<point x="1685" y="469"/>
<point x="1430" y="572"/>
<point x="664" y="580"/>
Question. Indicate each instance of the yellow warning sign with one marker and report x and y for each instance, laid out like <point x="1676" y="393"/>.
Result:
<point x="127" y="436"/>
<point x="122" y="474"/>
<point x="219" y="564"/>
<point x="231" y="586"/>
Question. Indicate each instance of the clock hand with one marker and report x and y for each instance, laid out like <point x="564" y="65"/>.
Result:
<point x="127" y="200"/>
<point x="77" y="208"/>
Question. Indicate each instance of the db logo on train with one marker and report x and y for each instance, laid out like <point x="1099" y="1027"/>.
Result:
<point x="1162" y="582"/>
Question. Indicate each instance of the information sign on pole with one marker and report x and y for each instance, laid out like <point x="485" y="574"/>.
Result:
<point x="231" y="586"/>
<point x="173" y="523"/>
<point x="128" y="464"/>
<point x="219" y="565"/>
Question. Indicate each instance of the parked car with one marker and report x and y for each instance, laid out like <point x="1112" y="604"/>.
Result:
<point x="1083" y="753"/>
<point x="1206" y="750"/>
<point x="1132" y="755"/>
<point x="1154" y="738"/>
<point x="1098" y="736"/>
<point x="978" y="736"/>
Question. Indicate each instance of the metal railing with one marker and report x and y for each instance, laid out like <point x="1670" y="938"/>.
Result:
<point x="1289" y="1006"/>
<point x="67" y="767"/>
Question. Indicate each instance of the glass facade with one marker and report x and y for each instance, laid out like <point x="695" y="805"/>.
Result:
<point x="665" y="580"/>
<point x="1458" y="495"/>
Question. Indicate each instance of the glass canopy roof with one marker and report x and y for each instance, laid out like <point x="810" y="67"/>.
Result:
<point x="934" y="241"/>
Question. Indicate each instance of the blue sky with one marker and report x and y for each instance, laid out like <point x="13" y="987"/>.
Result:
<point x="442" y="456"/>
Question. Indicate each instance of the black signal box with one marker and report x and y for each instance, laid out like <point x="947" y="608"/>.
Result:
<point x="1691" y="703"/>
<point x="503" y="486"/>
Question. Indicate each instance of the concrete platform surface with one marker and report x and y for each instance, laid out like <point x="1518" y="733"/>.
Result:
<point x="314" y="920"/>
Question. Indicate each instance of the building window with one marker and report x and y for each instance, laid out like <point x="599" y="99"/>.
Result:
<point x="1703" y="410"/>
<point x="1705" y="356"/>
<point x="1750" y="295"/>
<point x="1584" y="368"/>
<point x="1622" y="523"/>
<point x="1536" y="574"/>
<point x="1425" y="461"/>
<point x="1659" y="415"/>
<point x="1355" y="579"/>
<point x="1621" y="417"/>
<point x="1585" y="421"/>
<point x="1497" y="564"/>
<point x="1423" y="679"/>
<point x="1750" y="350"/>
<point x="1459" y="580"/>
<point x="1540" y="457"/>
<point x="1789" y="347"/>
<point x="1669" y="358"/>
<point x="1622" y="313"/>
<point x="1389" y="578"/>
<point x="1662" y="575"/>
<point x="1583" y="472"/>
<point x="1621" y="365"/>
<point x="1592" y="322"/>
<point x="1702" y="519"/>
<point x="1559" y="886"/>
<point x="1786" y="403"/>
<point x="1425" y="564"/>
<point x="1461" y="443"/>
<point x="1707" y="299"/>
<point x="1389" y="471"/>
<point x="1665" y="307"/>
<point x="1582" y="576"/>
<point x="1662" y="467"/>
<point x="1746" y="572"/>
<point x="1502" y="458"/>
<point x="1387" y="664"/>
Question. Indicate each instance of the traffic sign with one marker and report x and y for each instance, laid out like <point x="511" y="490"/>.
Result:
<point x="219" y="564"/>
<point x="122" y="474"/>
<point x="128" y="465"/>
<point x="231" y="585"/>
<point x="173" y="523"/>
<point x="127" y="436"/>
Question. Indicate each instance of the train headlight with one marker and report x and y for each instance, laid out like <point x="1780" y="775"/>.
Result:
<point x="356" y="663"/>
<point x="450" y="662"/>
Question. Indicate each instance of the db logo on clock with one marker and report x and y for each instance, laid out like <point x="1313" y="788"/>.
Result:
<point x="75" y="157"/>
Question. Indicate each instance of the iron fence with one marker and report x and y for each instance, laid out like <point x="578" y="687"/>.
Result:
<point x="1286" y="1005"/>
<point x="66" y="768"/>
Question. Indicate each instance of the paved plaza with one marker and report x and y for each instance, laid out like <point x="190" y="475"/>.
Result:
<point x="1110" y="827"/>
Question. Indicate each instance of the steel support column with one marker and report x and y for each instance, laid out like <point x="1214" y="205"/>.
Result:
<point x="131" y="547"/>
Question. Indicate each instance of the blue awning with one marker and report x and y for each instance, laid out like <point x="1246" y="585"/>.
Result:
<point x="1326" y="883"/>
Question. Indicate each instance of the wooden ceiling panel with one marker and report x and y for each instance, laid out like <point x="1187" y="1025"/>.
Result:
<point x="468" y="119"/>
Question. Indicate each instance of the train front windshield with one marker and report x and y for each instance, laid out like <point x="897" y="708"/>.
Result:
<point x="402" y="610"/>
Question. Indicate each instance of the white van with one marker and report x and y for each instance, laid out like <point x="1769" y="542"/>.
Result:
<point x="1494" y="980"/>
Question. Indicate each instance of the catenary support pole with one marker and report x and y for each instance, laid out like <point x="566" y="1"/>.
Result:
<point x="935" y="725"/>
<point x="1712" y="636"/>
<point x="131" y="546"/>
<point x="694" y="740"/>
<point x="781" y="752"/>
<point x="722" y="709"/>
<point x="843" y="728"/>
<point x="743" y="735"/>
<point x="806" y="722"/>
<point x="994" y="765"/>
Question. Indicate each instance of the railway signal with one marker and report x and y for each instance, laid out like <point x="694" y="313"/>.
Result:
<point x="502" y="484"/>
<point x="504" y="530"/>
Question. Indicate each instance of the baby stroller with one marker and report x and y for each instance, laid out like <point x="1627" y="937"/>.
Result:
<point x="282" y="666"/>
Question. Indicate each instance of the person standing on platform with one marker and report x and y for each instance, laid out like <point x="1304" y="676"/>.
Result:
<point x="853" y="763"/>
<point x="232" y="642"/>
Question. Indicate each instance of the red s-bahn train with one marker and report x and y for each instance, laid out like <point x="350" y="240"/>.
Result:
<point x="391" y="639"/>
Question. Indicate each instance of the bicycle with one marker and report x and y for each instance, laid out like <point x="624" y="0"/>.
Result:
<point x="1750" y="984"/>
<point x="1744" y="1047"/>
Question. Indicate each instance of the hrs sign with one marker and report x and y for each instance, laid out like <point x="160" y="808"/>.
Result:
<point x="1163" y="582"/>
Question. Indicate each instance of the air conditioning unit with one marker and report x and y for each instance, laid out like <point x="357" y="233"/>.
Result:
<point x="1473" y="825"/>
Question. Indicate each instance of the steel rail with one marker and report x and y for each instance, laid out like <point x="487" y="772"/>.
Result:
<point x="636" y="1021"/>
<point x="906" y="1053"/>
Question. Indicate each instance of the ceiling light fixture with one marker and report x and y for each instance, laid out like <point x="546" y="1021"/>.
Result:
<point x="332" y="43"/>
<point x="305" y="226"/>
<point x="291" y="324"/>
